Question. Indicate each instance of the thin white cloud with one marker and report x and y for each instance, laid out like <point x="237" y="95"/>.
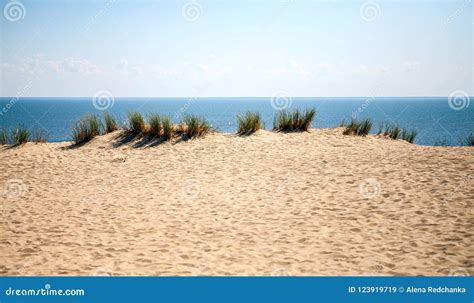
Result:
<point x="73" y="65"/>
<point x="40" y="64"/>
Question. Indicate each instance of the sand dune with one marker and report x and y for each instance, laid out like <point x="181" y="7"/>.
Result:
<point x="316" y="203"/>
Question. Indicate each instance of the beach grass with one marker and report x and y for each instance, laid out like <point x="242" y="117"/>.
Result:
<point x="136" y="123"/>
<point x="391" y="131"/>
<point x="395" y="132"/>
<point x="358" y="128"/>
<point x="293" y="121"/>
<point x="20" y="135"/>
<point x="3" y="137"/>
<point x="249" y="123"/>
<point x="86" y="129"/>
<point x="110" y="123"/>
<point x="192" y="126"/>
<point x="155" y="126"/>
<point x="408" y="136"/>
<point x="167" y="127"/>
<point x="39" y="136"/>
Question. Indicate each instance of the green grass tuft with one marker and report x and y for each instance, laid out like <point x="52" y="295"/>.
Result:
<point x="395" y="132"/>
<point x="20" y="135"/>
<point x="358" y="128"/>
<point x="192" y="126"/>
<point x="154" y="121"/>
<point x="364" y="128"/>
<point x="86" y="129"/>
<point x="111" y="123"/>
<point x="391" y="131"/>
<point x="167" y="127"/>
<point x="249" y="123"/>
<point x="136" y="123"/>
<point x="39" y="136"/>
<point x="408" y="136"/>
<point x="294" y="121"/>
<point x="3" y="137"/>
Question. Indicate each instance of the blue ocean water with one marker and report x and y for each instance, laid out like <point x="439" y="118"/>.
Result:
<point x="432" y="117"/>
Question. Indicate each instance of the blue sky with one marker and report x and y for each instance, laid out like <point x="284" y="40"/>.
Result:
<point x="236" y="48"/>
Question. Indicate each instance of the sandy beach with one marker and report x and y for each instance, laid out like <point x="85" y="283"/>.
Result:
<point x="312" y="203"/>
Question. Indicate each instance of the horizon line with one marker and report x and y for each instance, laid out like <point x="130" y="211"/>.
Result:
<point x="230" y="97"/>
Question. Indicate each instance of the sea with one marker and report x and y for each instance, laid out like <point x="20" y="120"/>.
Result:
<point x="437" y="120"/>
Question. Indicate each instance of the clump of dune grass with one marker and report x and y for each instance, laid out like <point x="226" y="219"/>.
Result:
<point x="249" y="123"/>
<point x="39" y="136"/>
<point x="391" y="131"/>
<point x="349" y="128"/>
<point x="192" y="126"/>
<point x="294" y="121"/>
<point x="86" y="129"/>
<point x="160" y="126"/>
<point x="408" y="136"/>
<point x="358" y="128"/>
<point x="154" y="122"/>
<point x="395" y="132"/>
<point x="3" y="137"/>
<point x="167" y="127"/>
<point x="110" y="123"/>
<point x="136" y="123"/>
<point x="20" y="135"/>
<point x="468" y="141"/>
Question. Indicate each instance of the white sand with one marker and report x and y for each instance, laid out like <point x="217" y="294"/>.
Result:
<point x="316" y="203"/>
